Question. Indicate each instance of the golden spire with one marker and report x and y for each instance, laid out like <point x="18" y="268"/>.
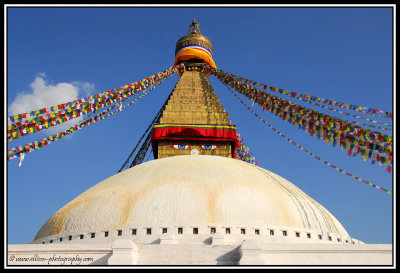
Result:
<point x="193" y="121"/>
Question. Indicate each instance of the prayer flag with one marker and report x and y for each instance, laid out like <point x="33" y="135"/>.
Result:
<point x="22" y="156"/>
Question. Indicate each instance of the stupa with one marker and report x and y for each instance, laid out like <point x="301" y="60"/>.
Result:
<point x="195" y="203"/>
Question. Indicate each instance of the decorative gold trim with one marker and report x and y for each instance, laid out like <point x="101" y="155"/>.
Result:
<point x="194" y="38"/>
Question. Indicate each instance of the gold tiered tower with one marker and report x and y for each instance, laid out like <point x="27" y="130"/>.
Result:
<point x="194" y="121"/>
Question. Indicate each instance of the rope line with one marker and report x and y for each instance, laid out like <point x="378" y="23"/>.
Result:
<point x="300" y="96"/>
<point x="355" y="139"/>
<point x="29" y="147"/>
<point x="307" y="151"/>
<point x="28" y="123"/>
<point x="149" y="128"/>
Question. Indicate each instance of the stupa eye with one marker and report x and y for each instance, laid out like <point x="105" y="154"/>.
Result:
<point x="208" y="147"/>
<point x="180" y="147"/>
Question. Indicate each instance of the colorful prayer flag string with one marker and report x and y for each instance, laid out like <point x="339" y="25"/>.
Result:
<point x="28" y="123"/>
<point x="300" y="96"/>
<point x="18" y="151"/>
<point x="348" y="114"/>
<point x="29" y="147"/>
<point x="308" y="152"/>
<point x="243" y="152"/>
<point x="347" y="136"/>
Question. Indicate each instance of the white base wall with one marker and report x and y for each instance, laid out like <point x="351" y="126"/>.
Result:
<point x="250" y="252"/>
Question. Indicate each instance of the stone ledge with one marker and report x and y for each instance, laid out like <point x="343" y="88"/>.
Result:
<point x="124" y="252"/>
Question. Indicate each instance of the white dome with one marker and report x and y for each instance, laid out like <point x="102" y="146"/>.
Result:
<point x="190" y="190"/>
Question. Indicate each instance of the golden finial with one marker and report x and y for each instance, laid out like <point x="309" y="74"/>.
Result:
<point x="193" y="26"/>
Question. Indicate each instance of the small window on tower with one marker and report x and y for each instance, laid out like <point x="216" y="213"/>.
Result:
<point x="164" y="230"/>
<point x="148" y="231"/>
<point x="119" y="232"/>
<point x="227" y="231"/>
<point x="271" y="232"/>
<point x="134" y="231"/>
<point x="242" y="231"/>
<point x="180" y="230"/>
<point x="213" y="230"/>
<point x="195" y="230"/>
<point x="257" y="232"/>
<point x="284" y="232"/>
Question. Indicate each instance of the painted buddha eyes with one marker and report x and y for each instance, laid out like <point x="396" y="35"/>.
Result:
<point x="180" y="147"/>
<point x="208" y="147"/>
<point x="185" y="147"/>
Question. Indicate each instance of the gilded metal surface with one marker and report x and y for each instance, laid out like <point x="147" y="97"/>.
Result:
<point x="193" y="37"/>
<point x="193" y="101"/>
<point x="195" y="28"/>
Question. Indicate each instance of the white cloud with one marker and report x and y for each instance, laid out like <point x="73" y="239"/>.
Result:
<point x="86" y="87"/>
<point x="44" y="94"/>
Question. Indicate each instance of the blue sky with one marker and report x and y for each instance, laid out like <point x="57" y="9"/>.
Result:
<point x="343" y="54"/>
